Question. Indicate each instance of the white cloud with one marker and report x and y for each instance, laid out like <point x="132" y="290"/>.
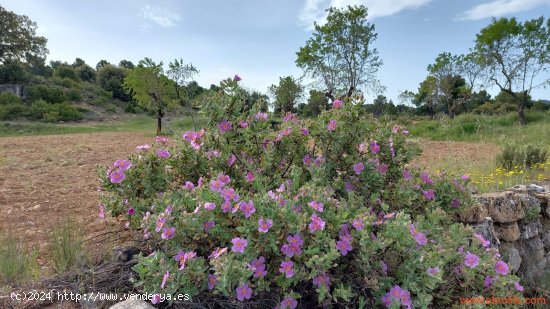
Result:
<point x="160" y="16"/>
<point x="498" y="8"/>
<point x="314" y="10"/>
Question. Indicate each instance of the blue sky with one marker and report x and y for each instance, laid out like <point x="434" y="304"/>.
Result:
<point x="258" y="39"/>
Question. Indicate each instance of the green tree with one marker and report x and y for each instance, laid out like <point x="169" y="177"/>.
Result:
<point x="182" y="74"/>
<point x="340" y="54"/>
<point x="316" y="103"/>
<point x="286" y="93"/>
<point x="18" y="39"/>
<point x="126" y="64"/>
<point x="86" y="73"/>
<point x="66" y="71"/>
<point x="78" y="62"/>
<point x="515" y="57"/>
<point x="101" y="64"/>
<point x="427" y="97"/>
<point x="451" y="87"/>
<point x="12" y="72"/>
<point x="153" y="90"/>
<point x="111" y="78"/>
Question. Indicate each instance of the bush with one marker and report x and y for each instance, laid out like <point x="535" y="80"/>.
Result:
<point x="55" y="112"/>
<point x="74" y="94"/>
<point x="13" y="111"/>
<point x="46" y="93"/>
<point x="65" y="245"/>
<point x="17" y="263"/>
<point x="329" y="214"/>
<point x="9" y="98"/>
<point x="521" y="156"/>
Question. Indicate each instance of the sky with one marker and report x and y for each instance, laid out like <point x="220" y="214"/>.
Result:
<point x="258" y="39"/>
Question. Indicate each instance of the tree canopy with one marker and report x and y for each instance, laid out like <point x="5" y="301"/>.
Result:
<point x="515" y="56"/>
<point x="340" y="55"/>
<point x="18" y="38"/>
<point x="286" y="93"/>
<point x="153" y="90"/>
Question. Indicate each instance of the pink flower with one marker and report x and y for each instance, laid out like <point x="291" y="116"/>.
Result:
<point x="317" y="224"/>
<point x="247" y="208"/>
<point x="131" y="211"/>
<point x="160" y="224"/>
<point x="258" y="266"/>
<point x="307" y="160"/>
<point x="488" y="281"/>
<point x="208" y="225"/>
<point x="343" y="246"/>
<point x="250" y="176"/>
<point x="337" y="104"/>
<point x="287" y="268"/>
<point x="123" y="165"/>
<point x="237" y="78"/>
<point x="209" y="206"/>
<point x="455" y="203"/>
<point x="316" y="205"/>
<point x="429" y="194"/>
<point x="289" y="302"/>
<point x="189" y="185"/>
<point x="226" y="207"/>
<point x="305" y="131"/>
<point x="358" y="168"/>
<point x="471" y="260"/>
<point x="374" y="147"/>
<point x="261" y="116"/>
<point x="419" y="237"/>
<point x="143" y="147"/>
<point x="382" y="168"/>
<point x="243" y="124"/>
<point x="163" y="153"/>
<point x="217" y="253"/>
<point x="501" y="267"/>
<point x="161" y="139"/>
<point x="432" y="271"/>
<point x="168" y="233"/>
<point x="239" y="244"/>
<point x="164" y="279"/>
<point x="397" y="295"/>
<point x="485" y="243"/>
<point x="225" y="126"/>
<point x="155" y="299"/>
<point x="264" y="225"/>
<point x="101" y="213"/>
<point x="331" y="125"/>
<point x="184" y="257"/>
<point x="231" y="160"/>
<point x="229" y="194"/>
<point x="319" y="160"/>
<point x="407" y="175"/>
<point x="117" y="176"/>
<point x="425" y="177"/>
<point x="465" y="177"/>
<point x="212" y="281"/>
<point x="518" y="286"/>
<point x="321" y="280"/>
<point x="362" y="148"/>
<point x="244" y="292"/>
<point x="358" y="224"/>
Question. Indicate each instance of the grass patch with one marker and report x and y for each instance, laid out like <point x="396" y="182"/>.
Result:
<point x="499" y="129"/>
<point x="17" y="262"/>
<point x="65" y="246"/>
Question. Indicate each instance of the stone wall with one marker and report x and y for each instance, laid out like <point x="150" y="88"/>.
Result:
<point x="518" y="222"/>
<point x="18" y="90"/>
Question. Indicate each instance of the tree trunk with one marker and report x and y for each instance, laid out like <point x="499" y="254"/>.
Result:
<point x="159" y="124"/>
<point x="521" y="112"/>
<point x="451" y="110"/>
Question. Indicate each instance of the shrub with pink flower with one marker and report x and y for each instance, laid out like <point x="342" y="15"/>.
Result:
<point x="326" y="211"/>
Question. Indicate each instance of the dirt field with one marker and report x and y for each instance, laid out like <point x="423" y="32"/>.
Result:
<point x="45" y="178"/>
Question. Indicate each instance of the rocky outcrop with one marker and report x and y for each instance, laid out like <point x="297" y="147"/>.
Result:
<point x="519" y="218"/>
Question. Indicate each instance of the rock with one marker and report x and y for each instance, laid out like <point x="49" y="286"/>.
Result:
<point x="530" y="229"/>
<point x="88" y="302"/>
<point x="546" y="240"/>
<point x="487" y="230"/>
<point x="474" y="214"/>
<point x="532" y="250"/>
<point x="503" y="207"/>
<point x="132" y="304"/>
<point x="36" y="207"/>
<point x="123" y="255"/>
<point x="508" y="232"/>
<point x="537" y="188"/>
<point x="511" y="255"/>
